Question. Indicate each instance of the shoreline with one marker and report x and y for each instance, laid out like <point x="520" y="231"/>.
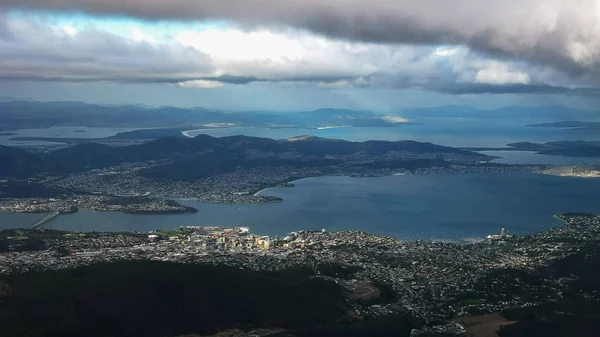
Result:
<point x="260" y="193"/>
<point x="468" y="240"/>
<point x="557" y="216"/>
<point x="257" y="194"/>
<point x="542" y="172"/>
<point x="396" y="174"/>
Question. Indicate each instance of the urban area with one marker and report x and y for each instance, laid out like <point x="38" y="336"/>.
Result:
<point x="435" y="280"/>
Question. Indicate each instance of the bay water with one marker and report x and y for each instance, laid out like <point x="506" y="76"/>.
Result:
<point x="444" y="206"/>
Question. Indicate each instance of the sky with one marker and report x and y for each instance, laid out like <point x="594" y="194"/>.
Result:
<point x="379" y="55"/>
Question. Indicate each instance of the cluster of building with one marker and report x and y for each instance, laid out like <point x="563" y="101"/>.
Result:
<point x="36" y="205"/>
<point x="454" y="169"/>
<point x="213" y="238"/>
<point x="582" y="171"/>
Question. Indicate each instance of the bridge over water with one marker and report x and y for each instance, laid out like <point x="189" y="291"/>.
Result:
<point x="43" y="219"/>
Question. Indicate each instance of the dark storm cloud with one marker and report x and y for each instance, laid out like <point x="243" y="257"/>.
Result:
<point x="562" y="33"/>
<point x="459" y="89"/>
<point x="233" y="79"/>
<point x="447" y="84"/>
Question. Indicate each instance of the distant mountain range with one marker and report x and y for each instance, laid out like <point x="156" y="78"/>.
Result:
<point x="569" y="125"/>
<point x="554" y="112"/>
<point x="24" y="114"/>
<point x="16" y="115"/>
<point x="202" y="156"/>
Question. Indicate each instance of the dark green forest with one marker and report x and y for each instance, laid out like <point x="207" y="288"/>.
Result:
<point x="163" y="299"/>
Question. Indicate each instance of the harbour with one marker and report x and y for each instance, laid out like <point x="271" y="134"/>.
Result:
<point x="444" y="206"/>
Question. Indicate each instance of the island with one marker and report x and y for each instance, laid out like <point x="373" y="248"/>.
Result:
<point x="559" y="148"/>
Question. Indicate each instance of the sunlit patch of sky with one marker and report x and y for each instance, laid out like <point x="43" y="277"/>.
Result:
<point x="158" y="30"/>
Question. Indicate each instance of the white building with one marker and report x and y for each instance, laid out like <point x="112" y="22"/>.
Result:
<point x="498" y="236"/>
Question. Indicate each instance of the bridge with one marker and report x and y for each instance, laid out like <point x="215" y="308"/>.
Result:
<point x="43" y="219"/>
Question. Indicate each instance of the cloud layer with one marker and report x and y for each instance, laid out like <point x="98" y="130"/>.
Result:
<point x="457" y="46"/>
<point x="564" y="34"/>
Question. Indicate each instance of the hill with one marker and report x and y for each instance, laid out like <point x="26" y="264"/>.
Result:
<point x="193" y="158"/>
<point x="18" y="163"/>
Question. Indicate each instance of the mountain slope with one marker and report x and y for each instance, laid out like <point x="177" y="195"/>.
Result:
<point x="18" y="163"/>
<point x="205" y="155"/>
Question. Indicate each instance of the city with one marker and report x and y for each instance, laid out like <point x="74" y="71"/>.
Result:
<point x="299" y="168"/>
<point x="433" y="280"/>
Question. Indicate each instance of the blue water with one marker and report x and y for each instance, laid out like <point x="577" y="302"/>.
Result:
<point x="530" y="157"/>
<point x="443" y="131"/>
<point x="59" y="132"/>
<point x="407" y="207"/>
<point x="457" y="132"/>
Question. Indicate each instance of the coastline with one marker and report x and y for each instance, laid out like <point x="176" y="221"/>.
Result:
<point x="43" y="205"/>
<point x="408" y="173"/>
<point x="257" y="194"/>
<point x="466" y="239"/>
<point x="558" y="216"/>
<point x="537" y="171"/>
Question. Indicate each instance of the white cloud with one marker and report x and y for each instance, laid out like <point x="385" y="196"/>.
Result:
<point x="207" y="58"/>
<point x="395" y="119"/>
<point x="69" y="30"/>
<point x="336" y="84"/>
<point x="277" y="55"/>
<point x="446" y="51"/>
<point x="139" y="35"/>
<point x="500" y="74"/>
<point x="200" y="84"/>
